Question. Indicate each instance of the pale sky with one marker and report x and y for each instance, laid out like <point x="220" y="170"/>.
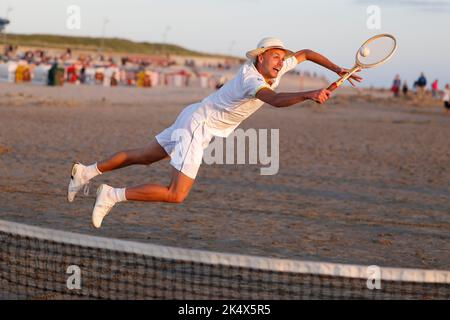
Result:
<point x="335" y="28"/>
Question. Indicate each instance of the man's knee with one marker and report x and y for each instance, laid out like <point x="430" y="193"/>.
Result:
<point x="177" y="196"/>
<point x="179" y="187"/>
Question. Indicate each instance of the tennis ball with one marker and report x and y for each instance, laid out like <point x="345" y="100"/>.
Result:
<point x="364" y="51"/>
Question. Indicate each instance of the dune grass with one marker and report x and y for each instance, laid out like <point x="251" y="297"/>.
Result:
<point x="110" y="45"/>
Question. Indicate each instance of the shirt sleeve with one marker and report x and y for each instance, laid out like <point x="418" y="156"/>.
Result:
<point x="253" y="84"/>
<point x="289" y="64"/>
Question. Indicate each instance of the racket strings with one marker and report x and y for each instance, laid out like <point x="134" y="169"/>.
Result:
<point x="379" y="50"/>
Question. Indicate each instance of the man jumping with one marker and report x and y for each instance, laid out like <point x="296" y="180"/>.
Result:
<point x="217" y="115"/>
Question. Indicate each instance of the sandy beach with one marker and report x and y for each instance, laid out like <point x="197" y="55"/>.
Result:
<point x="363" y="179"/>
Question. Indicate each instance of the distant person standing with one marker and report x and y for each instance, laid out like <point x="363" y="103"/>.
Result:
<point x="83" y="75"/>
<point x="447" y="99"/>
<point x="421" y="85"/>
<point x="405" y="89"/>
<point x="435" y="89"/>
<point x="396" y="86"/>
<point x="51" y="80"/>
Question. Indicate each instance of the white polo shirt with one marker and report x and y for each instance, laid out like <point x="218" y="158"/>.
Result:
<point x="225" y="109"/>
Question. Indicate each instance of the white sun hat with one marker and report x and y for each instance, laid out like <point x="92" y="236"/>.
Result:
<point x="266" y="44"/>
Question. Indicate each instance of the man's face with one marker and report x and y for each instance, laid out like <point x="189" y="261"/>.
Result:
<point x="271" y="62"/>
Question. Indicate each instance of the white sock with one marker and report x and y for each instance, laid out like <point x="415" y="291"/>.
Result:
<point x="91" y="172"/>
<point x="117" y="194"/>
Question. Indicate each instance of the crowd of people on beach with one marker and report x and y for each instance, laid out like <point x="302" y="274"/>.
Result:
<point x="419" y="89"/>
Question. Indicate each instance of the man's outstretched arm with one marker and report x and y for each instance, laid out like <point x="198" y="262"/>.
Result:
<point x="281" y="100"/>
<point x="309" y="55"/>
<point x="317" y="58"/>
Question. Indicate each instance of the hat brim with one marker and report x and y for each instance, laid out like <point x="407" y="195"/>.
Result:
<point x="254" y="53"/>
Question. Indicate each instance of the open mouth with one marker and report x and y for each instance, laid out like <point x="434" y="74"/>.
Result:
<point x="276" y="69"/>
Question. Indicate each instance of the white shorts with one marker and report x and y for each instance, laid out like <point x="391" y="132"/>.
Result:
<point x="184" y="141"/>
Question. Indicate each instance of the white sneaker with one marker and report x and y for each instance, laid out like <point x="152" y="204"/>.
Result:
<point x="103" y="204"/>
<point x="77" y="182"/>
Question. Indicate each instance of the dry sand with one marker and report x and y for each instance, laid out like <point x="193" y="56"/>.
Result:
<point x="362" y="179"/>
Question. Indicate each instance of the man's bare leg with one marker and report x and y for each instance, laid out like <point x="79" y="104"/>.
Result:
<point x="81" y="175"/>
<point x="108" y="196"/>
<point x="176" y="192"/>
<point x="153" y="152"/>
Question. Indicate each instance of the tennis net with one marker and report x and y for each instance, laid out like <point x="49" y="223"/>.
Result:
<point x="38" y="263"/>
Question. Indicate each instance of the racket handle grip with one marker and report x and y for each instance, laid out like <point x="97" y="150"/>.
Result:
<point x="333" y="86"/>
